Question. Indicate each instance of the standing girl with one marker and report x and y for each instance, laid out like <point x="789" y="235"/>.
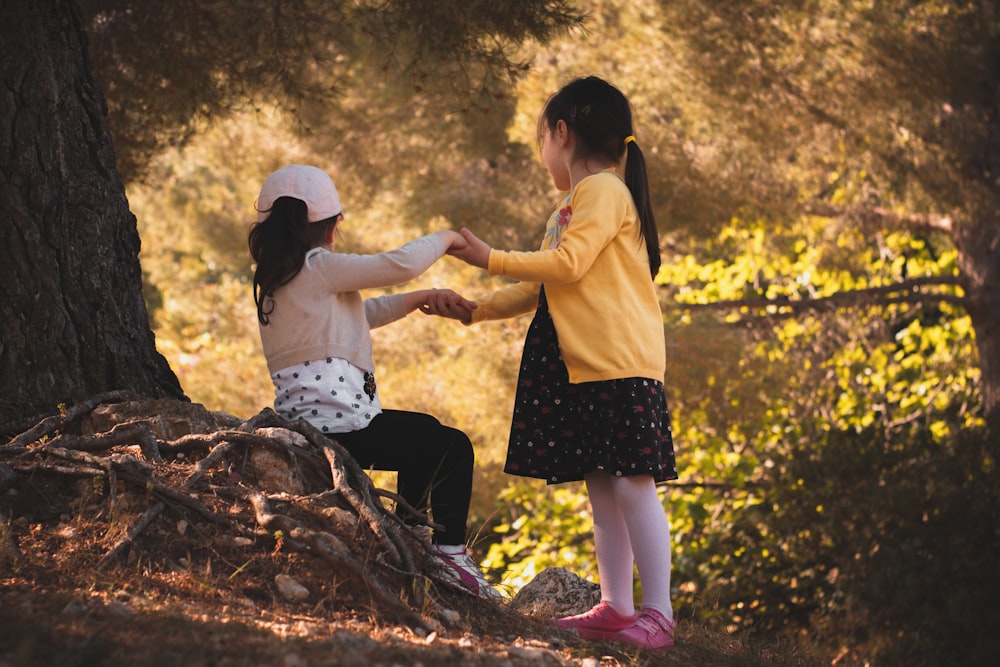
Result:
<point x="314" y="326"/>
<point x="590" y="402"/>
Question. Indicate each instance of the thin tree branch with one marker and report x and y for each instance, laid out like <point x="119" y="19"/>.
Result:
<point x="883" y="217"/>
<point x="908" y="291"/>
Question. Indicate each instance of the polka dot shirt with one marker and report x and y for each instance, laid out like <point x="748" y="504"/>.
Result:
<point x="331" y="394"/>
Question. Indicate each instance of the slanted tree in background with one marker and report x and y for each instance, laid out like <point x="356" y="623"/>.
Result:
<point x="167" y="68"/>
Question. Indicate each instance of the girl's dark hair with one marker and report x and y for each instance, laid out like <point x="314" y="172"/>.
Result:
<point x="601" y="119"/>
<point x="278" y="244"/>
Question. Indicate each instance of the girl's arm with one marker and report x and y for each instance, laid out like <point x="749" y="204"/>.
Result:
<point x="511" y="301"/>
<point x="385" y="309"/>
<point x="599" y="206"/>
<point x="351" y="273"/>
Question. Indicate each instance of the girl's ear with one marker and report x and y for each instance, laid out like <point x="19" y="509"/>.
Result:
<point x="561" y="132"/>
<point x="331" y="234"/>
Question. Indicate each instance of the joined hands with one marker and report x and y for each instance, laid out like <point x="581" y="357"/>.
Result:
<point x="447" y="303"/>
<point x="472" y="250"/>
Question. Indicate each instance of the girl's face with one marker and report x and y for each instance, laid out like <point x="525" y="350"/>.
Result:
<point x="555" y="154"/>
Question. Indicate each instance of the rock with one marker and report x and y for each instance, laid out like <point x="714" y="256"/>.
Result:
<point x="119" y="609"/>
<point x="554" y="593"/>
<point x="290" y="589"/>
<point x="8" y="478"/>
<point x="274" y="472"/>
<point x="531" y="655"/>
<point x="345" y="521"/>
<point x="75" y="608"/>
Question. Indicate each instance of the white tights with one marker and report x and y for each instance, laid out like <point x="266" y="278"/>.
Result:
<point x="630" y="527"/>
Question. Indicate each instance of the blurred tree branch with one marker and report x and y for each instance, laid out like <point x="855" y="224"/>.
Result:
<point x="913" y="291"/>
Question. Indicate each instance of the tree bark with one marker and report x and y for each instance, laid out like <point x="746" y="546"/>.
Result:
<point x="978" y="245"/>
<point x="73" y="322"/>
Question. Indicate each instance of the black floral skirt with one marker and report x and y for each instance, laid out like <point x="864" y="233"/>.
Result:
<point x="562" y="431"/>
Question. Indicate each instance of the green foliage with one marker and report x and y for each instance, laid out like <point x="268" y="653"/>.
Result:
<point x="541" y="527"/>
<point x="819" y="484"/>
<point x="862" y="536"/>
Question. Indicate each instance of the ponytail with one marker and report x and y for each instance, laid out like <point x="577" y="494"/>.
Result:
<point x="278" y="244"/>
<point x="638" y="185"/>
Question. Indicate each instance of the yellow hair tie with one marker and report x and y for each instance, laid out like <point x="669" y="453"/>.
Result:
<point x="629" y="139"/>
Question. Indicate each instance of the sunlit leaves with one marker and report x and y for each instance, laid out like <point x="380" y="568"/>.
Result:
<point x="542" y="527"/>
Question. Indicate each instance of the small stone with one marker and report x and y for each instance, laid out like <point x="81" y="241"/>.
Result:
<point x="554" y="593"/>
<point x="529" y="654"/>
<point x="75" y="608"/>
<point x="290" y="589"/>
<point x="119" y="609"/>
<point x="182" y="526"/>
<point x="67" y="532"/>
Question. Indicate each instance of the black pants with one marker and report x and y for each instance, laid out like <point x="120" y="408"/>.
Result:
<point x="434" y="463"/>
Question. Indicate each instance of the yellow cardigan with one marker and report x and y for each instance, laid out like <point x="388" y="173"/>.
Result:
<point x="595" y="269"/>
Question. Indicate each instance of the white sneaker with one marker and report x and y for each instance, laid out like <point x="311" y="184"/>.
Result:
<point x="465" y="571"/>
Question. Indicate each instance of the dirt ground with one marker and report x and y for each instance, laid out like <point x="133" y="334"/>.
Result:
<point x="196" y="599"/>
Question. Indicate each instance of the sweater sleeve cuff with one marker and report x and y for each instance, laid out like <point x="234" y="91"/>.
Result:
<point x="495" y="262"/>
<point x="397" y="306"/>
<point x="438" y="244"/>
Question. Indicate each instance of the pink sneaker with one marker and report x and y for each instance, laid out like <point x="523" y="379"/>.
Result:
<point x="652" y="631"/>
<point x="601" y="622"/>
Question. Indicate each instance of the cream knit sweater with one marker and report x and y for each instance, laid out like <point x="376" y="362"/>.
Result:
<point x="320" y="313"/>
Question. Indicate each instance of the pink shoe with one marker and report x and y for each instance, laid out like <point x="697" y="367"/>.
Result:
<point x="601" y="622"/>
<point x="652" y="631"/>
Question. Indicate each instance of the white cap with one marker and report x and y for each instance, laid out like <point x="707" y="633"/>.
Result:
<point x="310" y="184"/>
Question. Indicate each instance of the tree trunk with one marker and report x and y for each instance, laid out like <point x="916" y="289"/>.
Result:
<point x="978" y="245"/>
<point x="72" y="318"/>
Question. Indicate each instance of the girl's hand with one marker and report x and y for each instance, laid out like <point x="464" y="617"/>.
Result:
<point x="475" y="252"/>
<point x="446" y="303"/>
<point x="452" y="239"/>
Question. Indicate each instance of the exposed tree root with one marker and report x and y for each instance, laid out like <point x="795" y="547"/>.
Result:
<point x="279" y="485"/>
